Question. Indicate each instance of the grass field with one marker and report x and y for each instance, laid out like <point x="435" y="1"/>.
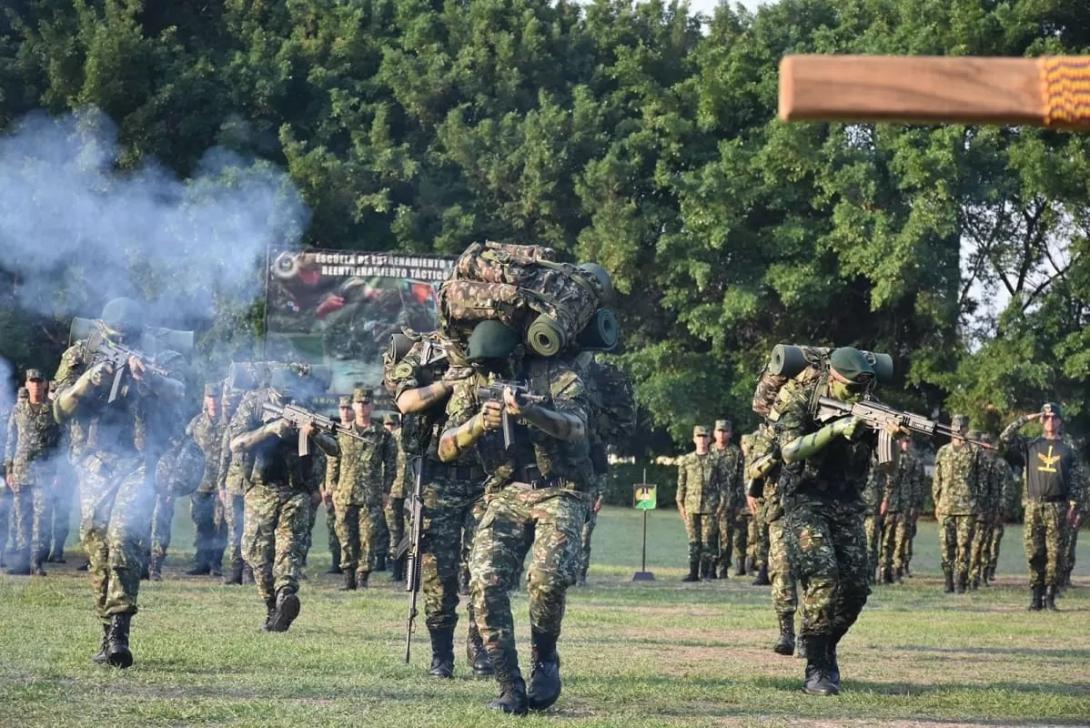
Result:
<point x="660" y="653"/>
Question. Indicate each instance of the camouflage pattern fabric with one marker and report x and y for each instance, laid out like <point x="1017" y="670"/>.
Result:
<point x="31" y="446"/>
<point x="757" y="540"/>
<point x="731" y="524"/>
<point x="1043" y="539"/>
<point x="956" y="543"/>
<point x="234" y="511"/>
<point x="354" y="534"/>
<point x="596" y="491"/>
<point x="698" y="492"/>
<point x="780" y="571"/>
<point x="990" y="494"/>
<point x="276" y="522"/>
<point x="900" y="487"/>
<point x="955" y="485"/>
<point x="30" y="514"/>
<point x="205" y="509"/>
<point x="331" y="532"/>
<point x="7" y="498"/>
<point x="700" y="529"/>
<point x="161" y="518"/>
<point x="872" y="520"/>
<point x="1071" y="540"/>
<point x="447" y="504"/>
<point x="895" y="533"/>
<point x="359" y="478"/>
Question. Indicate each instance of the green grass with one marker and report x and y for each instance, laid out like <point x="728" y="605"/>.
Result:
<point x="661" y="653"/>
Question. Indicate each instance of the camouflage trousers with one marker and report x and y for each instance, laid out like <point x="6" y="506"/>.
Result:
<point x="206" y="510"/>
<point x="872" y="528"/>
<point x="6" y="500"/>
<point x="895" y="532"/>
<point x="308" y="539"/>
<point x="1071" y="540"/>
<point x="61" y="494"/>
<point x="785" y="598"/>
<point x="956" y="544"/>
<point x="394" y="512"/>
<point x="356" y="535"/>
<point x="331" y="532"/>
<point x="757" y="540"/>
<point x="828" y="549"/>
<point x="733" y="529"/>
<point x="273" y="536"/>
<point x="380" y="534"/>
<point x="546" y="523"/>
<point x="161" y="518"/>
<point x="910" y="538"/>
<point x="234" y="512"/>
<point x="1043" y="538"/>
<point x="588" y="532"/>
<point x="978" y="556"/>
<point x="448" y="503"/>
<point x="32" y="511"/>
<point x="994" y="541"/>
<point x="116" y="503"/>
<point x="701" y="530"/>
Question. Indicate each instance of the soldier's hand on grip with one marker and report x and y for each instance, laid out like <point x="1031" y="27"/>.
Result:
<point x="492" y="415"/>
<point x="282" y="428"/>
<point x="100" y="373"/>
<point x="847" y="427"/>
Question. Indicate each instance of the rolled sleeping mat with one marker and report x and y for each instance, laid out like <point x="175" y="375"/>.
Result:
<point x="788" y="360"/>
<point x="545" y="337"/>
<point x="399" y="346"/>
<point x="601" y="332"/>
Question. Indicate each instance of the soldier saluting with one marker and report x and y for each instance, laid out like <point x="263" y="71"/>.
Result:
<point x="1053" y="499"/>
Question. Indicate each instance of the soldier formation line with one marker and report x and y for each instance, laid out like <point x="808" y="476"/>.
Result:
<point x="506" y="418"/>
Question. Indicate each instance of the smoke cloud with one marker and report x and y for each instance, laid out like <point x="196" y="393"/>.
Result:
<point x="78" y="231"/>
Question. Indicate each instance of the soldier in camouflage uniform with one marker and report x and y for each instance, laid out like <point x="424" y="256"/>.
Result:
<point x="989" y="486"/>
<point x="537" y="502"/>
<point x="360" y="477"/>
<point x="281" y="490"/>
<point x="231" y="488"/>
<point x="6" y="496"/>
<point x="207" y="430"/>
<point x="824" y="471"/>
<point x="731" y="497"/>
<point x="31" y="449"/>
<point x="395" y="504"/>
<point x="452" y="493"/>
<point x="347" y="416"/>
<point x="916" y="501"/>
<point x="872" y="521"/>
<point x="698" y="490"/>
<point x="119" y="443"/>
<point x="1008" y="500"/>
<point x="901" y="485"/>
<point x="64" y="479"/>
<point x="954" y="489"/>
<point x="1053" y="498"/>
<point x="758" y="543"/>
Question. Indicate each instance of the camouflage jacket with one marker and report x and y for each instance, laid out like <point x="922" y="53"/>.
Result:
<point x="363" y="471"/>
<point x="31" y="443"/>
<point x="233" y="472"/>
<point x="402" y="472"/>
<point x="425" y="362"/>
<point x="839" y="471"/>
<point x="611" y="408"/>
<point x="275" y="462"/>
<point x="567" y="462"/>
<point x="208" y="434"/>
<point x="904" y="483"/>
<point x="698" y="483"/>
<point x="732" y="495"/>
<point x="140" y="423"/>
<point x="955" y="485"/>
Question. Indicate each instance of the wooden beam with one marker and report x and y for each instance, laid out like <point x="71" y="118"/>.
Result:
<point x="1050" y="91"/>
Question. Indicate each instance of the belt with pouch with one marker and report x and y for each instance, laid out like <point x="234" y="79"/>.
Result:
<point x="529" y="477"/>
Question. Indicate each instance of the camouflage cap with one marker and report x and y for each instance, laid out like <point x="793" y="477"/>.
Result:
<point x="724" y="425"/>
<point x="359" y="394"/>
<point x="34" y="375"/>
<point x="959" y="423"/>
<point x="851" y="364"/>
<point x="345" y="400"/>
<point x="1052" y="408"/>
<point x="700" y="430"/>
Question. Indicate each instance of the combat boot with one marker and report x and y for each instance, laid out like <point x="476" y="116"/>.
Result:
<point x="887" y="575"/>
<point x="397" y="570"/>
<point x="335" y="567"/>
<point x="85" y="566"/>
<point x="117" y="641"/>
<point x="694" y="570"/>
<point x="948" y="588"/>
<point x="56" y="556"/>
<point x="960" y="584"/>
<point x="1036" y="600"/>
<point x="477" y="655"/>
<point x="442" y="653"/>
<point x="36" y="567"/>
<point x="215" y="567"/>
<point x="818" y="679"/>
<point x="762" y="577"/>
<point x="361" y="579"/>
<point x="707" y="573"/>
<point x="751" y="565"/>
<point x="235" y="576"/>
<point x="247" y="574"/>
<point x="201" y="567"/>
<point x="287" y="609"/>
<point x="1050" y="598"/>
<point x="270" y="613"/>
<point x="723" y="571"/>
<point x="544" y="686"/>
<point x="380" y="563"/>
<point x="349" y="581"/>
<point x="512" y="698"/>
<point x="99" y="658"/>
<point x="830" y="652"/>
<point x="785" y="645"/>
<point x="899" y="575"/>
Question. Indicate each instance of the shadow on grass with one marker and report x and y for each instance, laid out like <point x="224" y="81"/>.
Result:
<point x="1082" y="654"/>
<point x="907" y="688"/>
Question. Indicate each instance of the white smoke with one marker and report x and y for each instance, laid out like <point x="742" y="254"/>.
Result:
<point x="78" y="231"/>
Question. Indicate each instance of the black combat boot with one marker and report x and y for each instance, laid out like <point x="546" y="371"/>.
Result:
<point x="707" y="573"/>
<point x="830" y="652"/>
<point x="361" y="579"/>
<point x="544" y="686"/>
<point x="1050" y="598"/>
<point x="512" y="698"/>
<point x="751" y="565"/>
<point x="477" y="655"/>
<point x="349" y="581"/>
<point x="899" y="575"/>
<point x="287" y="609"/>
<point x="99" y="658"/>
<point x="380" y="563"/>
<point x="724" y="571"/>
<point x="270" y="613"/>
<point x="762" y="576"/>
<point x="117" y="641"/>
<point x="442" y="653"/>
<point x="818" y="679"/>
<point x="785" y="645"/>
<point x="85" y="566"/>
<point x="397" y="570"/>
<point x="1036" y="599"/>
<point x="887" y="575"/>
<point x="201" y="565"/>
<point x="949" y="586"/>
<point x="335" y="566"/>
<point x="961" y="583"/>
<point x="694" y="570"/>
<point x="56" y="556"/>
<point x="235" y="575"/>
<point x="247" y="574"/>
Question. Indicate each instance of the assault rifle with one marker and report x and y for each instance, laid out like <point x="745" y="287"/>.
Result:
<point x="493" y="392"/>
<point x="413" y="559"/>
<point x="299" y="417"/>
<point x="880" y="417"/>
<point x="102" y="349"/>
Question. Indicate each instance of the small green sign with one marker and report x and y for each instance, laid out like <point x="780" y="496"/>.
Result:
<point x="645" y="496"/>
